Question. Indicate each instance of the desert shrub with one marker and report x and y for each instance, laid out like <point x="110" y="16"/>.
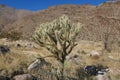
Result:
<point x="58" y="37"/>
<point x="12" y="35"/>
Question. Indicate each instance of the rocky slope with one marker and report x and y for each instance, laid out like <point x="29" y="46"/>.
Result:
<point x="9" y="15"/>
<point x="99" y="20"/>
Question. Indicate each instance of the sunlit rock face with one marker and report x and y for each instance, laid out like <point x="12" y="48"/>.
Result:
<point x="37" y="64"/>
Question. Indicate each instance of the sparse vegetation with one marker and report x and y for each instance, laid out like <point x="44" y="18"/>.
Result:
<point x="20" y="58"/>
<point x="58" y="37"/>
<point x="12" y="35"/>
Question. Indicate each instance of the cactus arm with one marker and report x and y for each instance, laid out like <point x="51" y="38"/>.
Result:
<point x="59" y="44"/>
<point x="58" y="36"/>
<point x="71" y="48"/>
<point x="52" y="38"/>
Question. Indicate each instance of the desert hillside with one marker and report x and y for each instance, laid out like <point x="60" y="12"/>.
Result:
<point x="98" y="20"/>
<point x="9" y="15"/>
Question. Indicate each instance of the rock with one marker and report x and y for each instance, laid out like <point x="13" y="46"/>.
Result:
<point x="4" y="73"/>
<point x="38" y="63"/>
<point x="103" y="77"/>
<point x="94" y="54"/>
<point x="17" y="72"/>
<point x="4" y="49"/>
<point x="96" y="70"/>
<point x="4" y="78"/>
<point x="24" y="77"/>
<point x="100" y="72"/>
<point x="91" y="70"/>
<point x="24" y="43"/>
<point x="29" y="45"/>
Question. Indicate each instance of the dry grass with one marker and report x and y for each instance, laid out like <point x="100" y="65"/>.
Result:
<point x="12" y="61"/>
<point x="22" y="57"/>
<point x="19" y="58"/>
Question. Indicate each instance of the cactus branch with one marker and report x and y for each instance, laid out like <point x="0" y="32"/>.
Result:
<point x="58" y="36"/>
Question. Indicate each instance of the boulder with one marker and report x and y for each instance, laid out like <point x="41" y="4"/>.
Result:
<point x="38" y="63"/>
<point x="103" y="77"/>
<point x="24" y="77"/>
<point x="99" y="71"/>
<point x="94" y="54"/>
<point x="4" y="49"/>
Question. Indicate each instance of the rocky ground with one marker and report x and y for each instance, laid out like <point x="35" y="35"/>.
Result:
<point x="22" y="53"/>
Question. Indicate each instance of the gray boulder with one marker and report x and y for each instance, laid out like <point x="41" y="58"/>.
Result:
<point x="38" y="63"/>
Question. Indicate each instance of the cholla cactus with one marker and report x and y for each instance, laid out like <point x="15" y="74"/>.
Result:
<point x="58" y="36"/>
